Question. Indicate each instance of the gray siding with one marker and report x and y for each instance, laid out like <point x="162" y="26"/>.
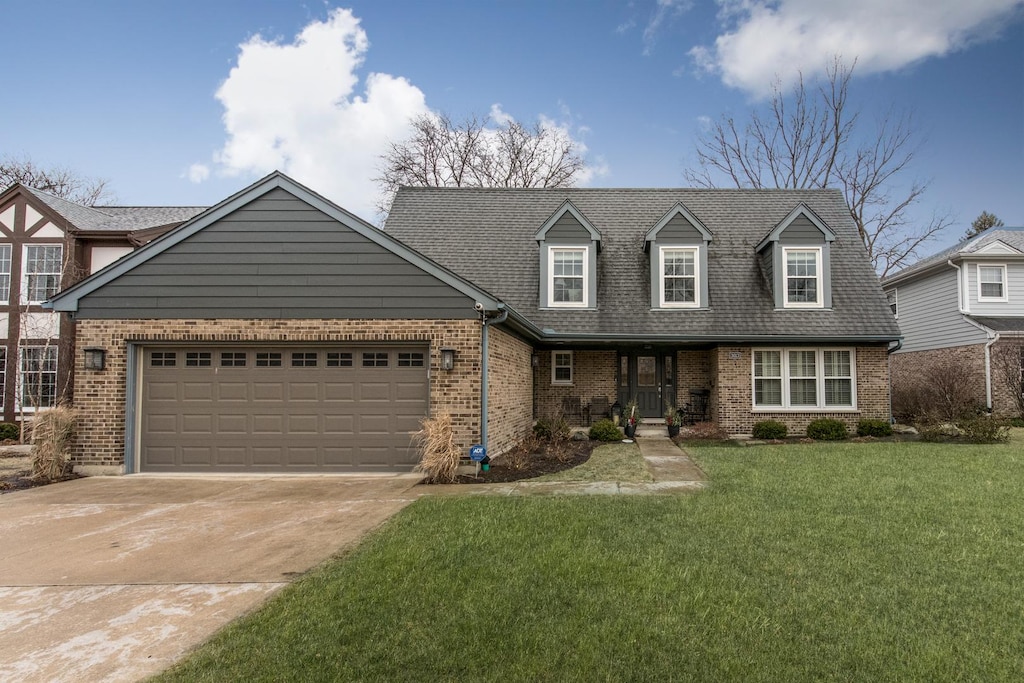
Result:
<point x="276" y="257"/>
<point x="801" y="231"/>
<point x="929" y="317"/>
<point x="678" y="228"/>
<point x="568" y="228"/>
<point x="1015" y="291"/>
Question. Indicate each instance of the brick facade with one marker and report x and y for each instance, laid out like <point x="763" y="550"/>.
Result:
<point x="732" y="397"/>
<point x="593" y="375"/>
<point x="100" y="395"/>
<point x="969" y="363"/>
<point x="509" y="390"/>
<point x="693" y="371"/>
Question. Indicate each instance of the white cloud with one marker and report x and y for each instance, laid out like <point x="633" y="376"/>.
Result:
<point x="297" y="107"/>
<point x="197" y="173"/>
<point x="665" y="10"/>
<point x="769" y="39"/>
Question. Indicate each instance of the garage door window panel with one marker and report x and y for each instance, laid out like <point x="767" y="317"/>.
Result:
<point x="375" y="359"/>
<point x="232" y="359"/>
<point x="339" y="359"/>
<point x="198" y="359"/>
<point x="163" y="359"/>
<point x="269" y="360"/>
<point x="304" y="359"/>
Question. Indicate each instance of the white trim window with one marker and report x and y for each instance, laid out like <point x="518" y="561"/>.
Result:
<point x="561" y="367"/>
<point x="804" y="379"/>
<point x="567" y="280"/>
<point x="802" y="279"/>
<point x="892" y="298"/>
<point x="680" y="277"/>
<point x="5" y="272"/>
<point x="42" y="270"/>
<point x="992" y="283"/>
<point x="38" y="377"/>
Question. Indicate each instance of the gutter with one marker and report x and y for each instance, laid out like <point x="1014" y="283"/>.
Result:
<point x="485" y="321"/>
<point x="961" y="300"/>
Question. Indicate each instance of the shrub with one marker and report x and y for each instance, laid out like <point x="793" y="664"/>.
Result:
<point x="605" y="430"/>
<point x="439" y="456"/>
<point x="9" y="431"/>
<point x="938" y="391"/>
<point x="826" y="429"/>
<point x="1016" y="422"/>
<point x="769" y="430"/>
<point x="707" y="431"/>
<point x="984" y="430"/>
<point x="552" y="429"/>
<point x="52" y="431"/>
<point x="870" y="427"/>
<point x="519" y="458"/>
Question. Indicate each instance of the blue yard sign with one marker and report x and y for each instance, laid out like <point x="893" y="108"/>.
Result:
<point x="477" y="453"/>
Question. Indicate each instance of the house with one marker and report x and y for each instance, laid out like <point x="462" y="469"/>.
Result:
<point x="277" y="332"/>
<point x="47" y="243"/>
<point x="964" y="307"/>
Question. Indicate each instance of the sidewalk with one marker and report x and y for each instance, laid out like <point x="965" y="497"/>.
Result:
<point x="673" y="471"/>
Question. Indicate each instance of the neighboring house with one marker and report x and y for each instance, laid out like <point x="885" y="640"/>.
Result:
<point x="965" y="307"/>
<point x="48" y="243"/>
<point x="278" y="332"/>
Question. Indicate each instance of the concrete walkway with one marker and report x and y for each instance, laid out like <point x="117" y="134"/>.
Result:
<point x="672" y="469"/>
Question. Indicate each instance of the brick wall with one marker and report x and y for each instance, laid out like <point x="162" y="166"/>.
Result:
<point x="1006" y="359"/>
<point x="732" y="397"/>
<point x="509" y="390"/>
<point x="101" y="395"/>
<point x="594" y="375"/>
<point x="908" y="369"/>
<point x="693" y="371"/>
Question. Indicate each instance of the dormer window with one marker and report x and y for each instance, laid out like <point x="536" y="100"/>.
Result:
<point x="680" y="278"/>
<point x="795" y="260"/>
<point x="803" y="278"/>
<point x="678" y="245"/>
<point x="992" y="283"/>
<point x="568" y="268"/>
<point x="568" y="245"/>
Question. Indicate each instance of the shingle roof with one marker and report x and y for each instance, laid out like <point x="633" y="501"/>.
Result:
<point x="487" y="237"/>
<point x="116" y="218"/>
<point x="1000" y="324"/>
<point x="1014" y="237"/>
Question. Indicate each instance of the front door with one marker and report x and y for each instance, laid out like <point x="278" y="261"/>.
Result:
<point x="649" y="379"/>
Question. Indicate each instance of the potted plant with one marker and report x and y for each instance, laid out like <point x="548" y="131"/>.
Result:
<point x="631" y="418"/>
<point x="672" y="420"/>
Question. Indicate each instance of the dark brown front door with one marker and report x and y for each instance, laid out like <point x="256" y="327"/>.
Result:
<point x="649" y="379"/>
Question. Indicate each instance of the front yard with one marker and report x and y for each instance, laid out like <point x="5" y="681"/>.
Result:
<point x="849" y="562"/>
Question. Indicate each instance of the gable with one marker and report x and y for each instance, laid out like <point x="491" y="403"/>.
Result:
<point x="801" y="231"/>
<point x="274" y="254"/>
<point x="679" y="227"/>
<point x="997" y="247"/>
<point x="18" y="217"/>
<point x="568" y="227"/>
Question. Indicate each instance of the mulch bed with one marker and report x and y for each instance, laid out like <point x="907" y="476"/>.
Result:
<point x="16" y="472"/>
<point x="544" y="459"/>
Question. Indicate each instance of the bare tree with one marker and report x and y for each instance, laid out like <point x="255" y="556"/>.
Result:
<point x="1008" y="369"/>
<point x="477" y="152"/>
<point x="813" y="139"/>
<point x="983" y="222"/>
<point x="56" y="180"/>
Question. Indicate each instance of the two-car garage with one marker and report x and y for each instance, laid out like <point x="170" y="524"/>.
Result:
<point x="280" y="408"/>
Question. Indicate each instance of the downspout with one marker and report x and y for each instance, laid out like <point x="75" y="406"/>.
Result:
<point x="988" y="370"/>
<point x="959" y="287"/>
<point x="484" y="322"/>
<point x="889" y="352"/>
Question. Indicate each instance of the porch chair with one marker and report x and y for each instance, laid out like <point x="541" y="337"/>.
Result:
<point x="697" y="409"/>
<point x="572" y="410"/>
<point x="599" y="409"/>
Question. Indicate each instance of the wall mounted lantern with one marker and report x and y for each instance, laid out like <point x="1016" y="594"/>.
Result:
<point x="447" y="358"/>
<point x="535" y="360"/>
<point x="95" y="358"/>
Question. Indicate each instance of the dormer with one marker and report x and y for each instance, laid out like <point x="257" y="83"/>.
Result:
<point x="569" y="244"/>
<point x="678" y="247"/>
<point x="795" y="256"/>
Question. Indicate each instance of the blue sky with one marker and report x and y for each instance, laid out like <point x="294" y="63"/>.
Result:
<point x="187" y="102"/>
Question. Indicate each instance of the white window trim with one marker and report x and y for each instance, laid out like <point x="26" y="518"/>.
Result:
<point x="1006" y="285"/>
<point x="895" y="302"/>
<point x="551" y="303"/>
<point x="661" y="279"/>
<point x="819" y="369"/>
<point x="10" y="267"/>
<point x="819" y="278"/>
<point x="19" y="378"/>
<point x="24" y="270"/>
<point x="562" y="382"/>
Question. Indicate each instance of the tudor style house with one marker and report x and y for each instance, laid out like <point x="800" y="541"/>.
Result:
<point x="47" y="243"/>
<point x="964" y="306"/>
<point x="277" y="332"/>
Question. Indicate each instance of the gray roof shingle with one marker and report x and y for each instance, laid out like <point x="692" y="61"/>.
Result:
<point x="1000" y="324"/>
<point x="487" y="237"/>
<point x="116" y="218"/>
<point x="1014" y="237"/>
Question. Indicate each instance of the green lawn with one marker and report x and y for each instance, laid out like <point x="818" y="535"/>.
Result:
<point x="608" y="462"/>
<point x="852" y="562"/>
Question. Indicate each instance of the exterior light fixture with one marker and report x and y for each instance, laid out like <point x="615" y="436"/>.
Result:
<point x="447" y="358"/>
<point x="535" y="360"/>
<point x="95" y="358"/>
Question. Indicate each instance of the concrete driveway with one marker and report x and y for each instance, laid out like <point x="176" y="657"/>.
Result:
<point x="115" y="578"/>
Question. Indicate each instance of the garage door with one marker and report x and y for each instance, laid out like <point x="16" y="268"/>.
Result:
<point x="261" y="409"/>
